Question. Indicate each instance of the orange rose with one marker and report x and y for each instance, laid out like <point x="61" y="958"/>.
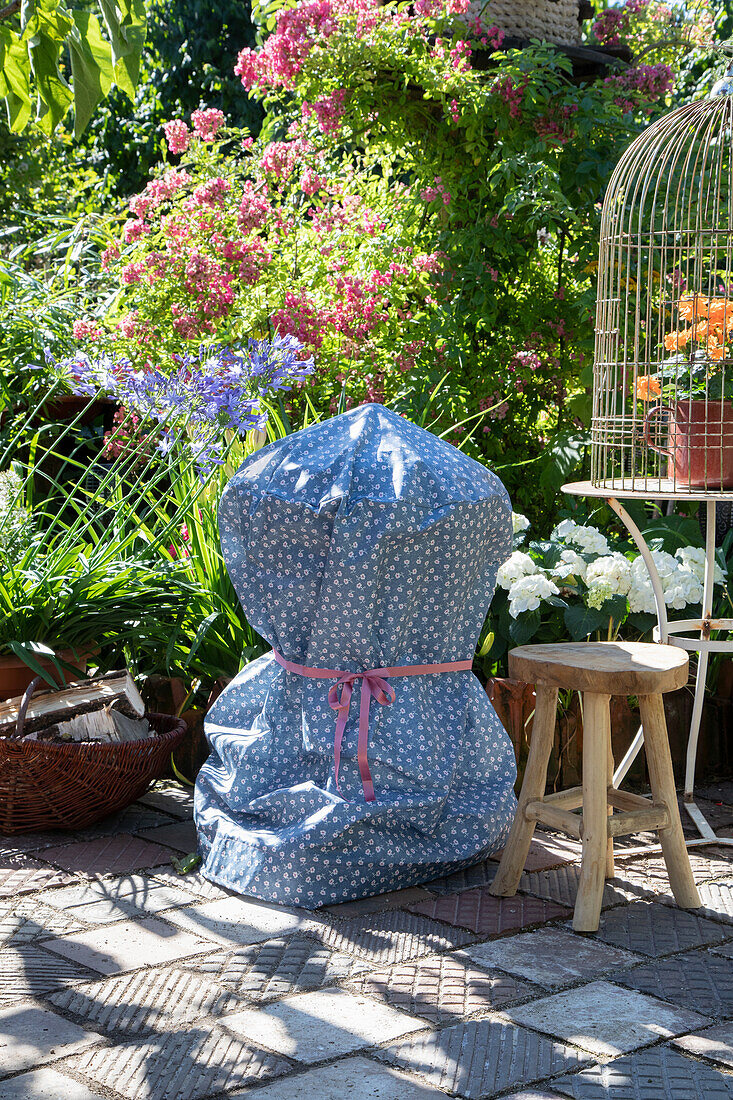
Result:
<point x="674" y="341"/>
<point x="692" y="308"/>
<point x="716" y="351"/>
<point x="720" y="312"/>
<point x="647" y="388"/>
<point x="700" y="330"/>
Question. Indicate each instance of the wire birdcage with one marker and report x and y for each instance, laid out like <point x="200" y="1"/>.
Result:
<point x="663" y="374"/>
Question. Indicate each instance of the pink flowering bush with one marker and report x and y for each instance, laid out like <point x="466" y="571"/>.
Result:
<point x="422" y="217"/>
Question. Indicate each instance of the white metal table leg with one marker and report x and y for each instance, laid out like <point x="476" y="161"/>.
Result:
<point x="635" y="747"/>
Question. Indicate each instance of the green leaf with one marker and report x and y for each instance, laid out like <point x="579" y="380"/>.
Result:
<point x="91" y="67"/>
<point x="126" y="26"/>
<point x="564" y="452"/>
<point x="583" y="621"/>
<point x="524" y="628"/>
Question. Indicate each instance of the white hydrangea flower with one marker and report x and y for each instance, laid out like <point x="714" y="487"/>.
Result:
<point x="692" y="558"/>
<point x="598" y="592"/>
<point x="611" y="569"/>
<point x="519" y="523"/>
<point x="589" y="539"/>
<point x="518" y="565"/>
<point x="641" y="596"/>
<point x="527" y="593"/>
<point x="570" y="565"/>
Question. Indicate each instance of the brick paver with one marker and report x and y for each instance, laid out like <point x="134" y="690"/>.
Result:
<point x="28" y="970"/>
<point x="278" y="967"/>
<point x="46" y="1084"/>
<point x="180" y="835"/>
<point x="442" y="988"/>
<point x="187" y="1065"/>
<point x="657" y="1074"/>
<point x="146" y="1000"/>
<point x="392" y="937"/>
<point x="485" y="915"/>
<point x="23" y="874"/>
<point x="483" y="1058"/>
<point x="561" y="885"/>
<point x="654" y="929"/>
<point x="700" y="980"/>
<point x="107" y="855"/>
<point x="714" y="1043"/>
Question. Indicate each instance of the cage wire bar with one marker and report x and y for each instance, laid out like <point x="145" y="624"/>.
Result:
<point x="663" y="377"/>
<point x="662" y="423"/>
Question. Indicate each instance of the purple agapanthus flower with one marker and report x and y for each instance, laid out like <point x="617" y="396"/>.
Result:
<point x="216" y="389"/>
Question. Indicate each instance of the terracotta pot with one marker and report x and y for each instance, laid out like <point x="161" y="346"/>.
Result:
<point x="699" y="442"/>
<point x="15" y="676"/>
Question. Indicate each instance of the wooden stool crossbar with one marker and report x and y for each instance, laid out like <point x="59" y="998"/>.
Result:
<point x="599" y="670"/>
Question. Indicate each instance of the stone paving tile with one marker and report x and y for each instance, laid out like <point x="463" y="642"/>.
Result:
<point x="442" y="988"/>
<point x="278" y="967"/>
<point x="353" y="1077"/>
<point x="22" y="875"/>
<point x="28" y="842"/>
<point x="489" y="916"/>
<point x="561" y="885"/>
<point x="146" y="1000"/>
<point x="33" y="920"/>
<point x="726" y="949"/>
<point x="392" y="937"/>
<point x="180" y="835"/>
<point x="548" y="850"/>
<point x="380" y="903"/>
<point x="714" y="1043"/>
<point x="187" y="1065"/>
<point x="705" y="865"/>
<point x="108" y="900"/>
<point x="653" y="929"/>
<point x="604" y="1019"/>
<point x="483" y="1058"/>
<point x="193" y="881"/>
<point x="551" y="957"/>
<point x="656" y="1074"/>
<point x="171" y="798"/>
<point x="46" y="1084"/>
<point x="318" y="1026"/>
<point x="698" y="980"/>
<point x="480" y="874"/>
<point x="533" y="1094"/>
<point x="235" y="921"/>
<point x="107" y="855"/>
<point x="130" y="820"/>
<point x="716" y="898"/>
<point x="30" y="1035"/>
<point x="27" y="971"/>
<point x="128" y="945"/>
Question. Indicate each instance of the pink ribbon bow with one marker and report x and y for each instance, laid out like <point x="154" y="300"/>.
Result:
<point x="373" y="686"/>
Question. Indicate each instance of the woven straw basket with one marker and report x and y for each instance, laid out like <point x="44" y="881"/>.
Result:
<point x="551" y="20"/>
<point x="44" y="785"/>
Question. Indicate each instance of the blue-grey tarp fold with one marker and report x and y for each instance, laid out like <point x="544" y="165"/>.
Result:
<point x="359" y="543"/>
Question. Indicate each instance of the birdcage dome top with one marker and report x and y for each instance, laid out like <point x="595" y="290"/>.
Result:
<point x="663" y="371"/>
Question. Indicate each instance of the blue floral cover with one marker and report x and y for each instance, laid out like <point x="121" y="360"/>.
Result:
<point x="359" y="543"/>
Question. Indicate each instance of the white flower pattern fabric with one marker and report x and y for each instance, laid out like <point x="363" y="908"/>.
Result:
<point x="360" y="543"/>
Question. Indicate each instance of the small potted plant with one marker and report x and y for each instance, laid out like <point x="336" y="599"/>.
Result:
<point x="694" y="391"/>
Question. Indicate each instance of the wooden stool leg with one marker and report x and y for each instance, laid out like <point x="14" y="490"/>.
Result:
<point x="661" y="777"/>
<point x="533" y="787"/>
<point x="596" y="735"/>
<point x="610" y="868"/>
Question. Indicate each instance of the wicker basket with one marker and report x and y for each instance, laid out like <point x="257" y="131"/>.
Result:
<point x="555" y="21"/>
<point x="44" y="785"/>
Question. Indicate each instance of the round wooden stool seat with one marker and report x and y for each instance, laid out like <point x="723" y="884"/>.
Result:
<point x="609" y="668"/>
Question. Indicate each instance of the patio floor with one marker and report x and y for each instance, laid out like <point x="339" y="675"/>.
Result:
<point x="121" y="978"/>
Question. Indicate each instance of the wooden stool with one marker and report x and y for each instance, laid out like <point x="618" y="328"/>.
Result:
<point x="599" y="670"/>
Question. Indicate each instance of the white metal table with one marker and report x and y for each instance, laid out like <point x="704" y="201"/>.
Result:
<point x="676" y="633"/>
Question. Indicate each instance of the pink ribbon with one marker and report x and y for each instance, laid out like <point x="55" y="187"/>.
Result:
<point x="373" y="686"/>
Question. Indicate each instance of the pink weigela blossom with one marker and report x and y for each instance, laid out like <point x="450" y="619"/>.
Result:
<point x="177" y="136"/>
<point x="206" y="124"/>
